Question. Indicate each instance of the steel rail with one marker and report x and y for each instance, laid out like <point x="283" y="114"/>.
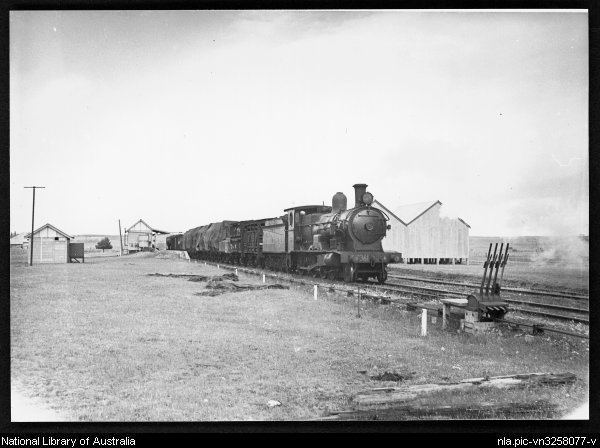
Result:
<point x="533" y="292"/>
<point x="548" y="305"/>
<point x="552" y="315"/>
<point x="543" y="328"/>
<point x="423" y="288"/>
<point x="524" y="302"/>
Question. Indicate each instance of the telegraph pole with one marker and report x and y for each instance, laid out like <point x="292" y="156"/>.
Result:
<point x="32" y="218"/>
<point x="120" y="239"/>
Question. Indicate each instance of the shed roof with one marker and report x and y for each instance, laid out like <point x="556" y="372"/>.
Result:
<point x="464" y="222"/>
<point x="146" y="224"/>
<point x="379" y="204"/>
<point x="19" y="239"/>
<point x="53" y="228"/>
<point x="410" y="212"/>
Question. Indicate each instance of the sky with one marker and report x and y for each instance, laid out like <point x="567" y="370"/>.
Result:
<point x="188" y="117"/>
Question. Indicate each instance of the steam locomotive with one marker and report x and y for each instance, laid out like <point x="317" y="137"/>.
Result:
<point x="323" y="241"/>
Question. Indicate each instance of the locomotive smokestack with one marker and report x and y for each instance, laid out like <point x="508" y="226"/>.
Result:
<point x="359" y="190"/>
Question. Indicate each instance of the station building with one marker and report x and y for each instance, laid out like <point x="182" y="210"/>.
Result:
<point x="142" y="237"/>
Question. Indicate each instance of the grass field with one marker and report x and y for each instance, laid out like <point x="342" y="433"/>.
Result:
<point x="102" y="341"/>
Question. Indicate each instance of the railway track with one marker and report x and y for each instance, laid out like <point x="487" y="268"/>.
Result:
<point x="577" y="314"/>
<point x="415" y="291"/>
<point x="531" y="292"/>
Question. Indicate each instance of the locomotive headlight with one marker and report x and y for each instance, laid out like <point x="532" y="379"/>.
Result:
<point x="367" y="198"/>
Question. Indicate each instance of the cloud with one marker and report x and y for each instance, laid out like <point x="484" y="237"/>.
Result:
<point x="239" y="114"/>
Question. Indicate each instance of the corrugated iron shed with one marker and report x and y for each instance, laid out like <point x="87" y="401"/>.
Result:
<point x="50" y="245"/>
<point x="423" y="236"/>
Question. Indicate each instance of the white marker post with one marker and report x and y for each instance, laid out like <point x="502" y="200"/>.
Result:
<point x="236" y="271"/>
<point x="217" y="266"/>
<point x="316" y="292"/>
<point x="445" y="315"/>
<point x="264" y="279"/>
<point x="424" y="322"/>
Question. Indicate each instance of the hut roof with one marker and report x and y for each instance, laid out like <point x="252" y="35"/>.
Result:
<point x="51" y="227"/>
<point x="19" y="239"/>
<point x="146" y="224"/>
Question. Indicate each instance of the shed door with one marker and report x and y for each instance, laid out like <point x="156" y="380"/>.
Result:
<point x="46" y="250"/>
<point x="60" y="251"/>
<point x="51" y="250"/>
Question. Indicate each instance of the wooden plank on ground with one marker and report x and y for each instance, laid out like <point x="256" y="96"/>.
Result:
<point x="485" y="410"/>
<point x="398" y="395"/>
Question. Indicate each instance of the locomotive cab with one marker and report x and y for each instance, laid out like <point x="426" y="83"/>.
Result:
<point x="300" y="222"/>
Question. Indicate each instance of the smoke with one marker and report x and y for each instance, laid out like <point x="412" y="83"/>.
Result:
<point x="572" y="251"/>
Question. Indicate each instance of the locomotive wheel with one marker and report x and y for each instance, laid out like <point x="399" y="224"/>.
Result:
<point x="331" y="275"/>
<point x="349" y="273"/>
<point x="324" y="274"/>
<point x="382" y="277"/>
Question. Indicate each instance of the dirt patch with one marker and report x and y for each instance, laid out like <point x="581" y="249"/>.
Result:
<point x="200" y="278"/>
<point x="392" y="376"/>
<point x="217" y="287"/>
<point x="215" y="279"/>
<point x="220" y="284"/>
